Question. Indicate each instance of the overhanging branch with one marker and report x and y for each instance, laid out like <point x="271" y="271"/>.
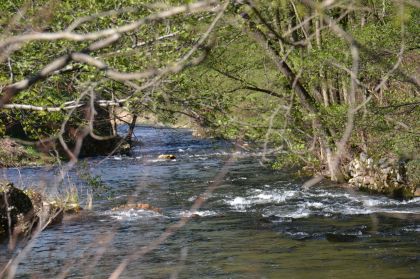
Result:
<point x="101" y="103"/>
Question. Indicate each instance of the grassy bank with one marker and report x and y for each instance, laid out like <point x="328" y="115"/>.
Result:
<point x="14" y="154"/>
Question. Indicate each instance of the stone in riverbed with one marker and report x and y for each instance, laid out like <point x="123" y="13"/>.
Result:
<point x="167" y="156"/>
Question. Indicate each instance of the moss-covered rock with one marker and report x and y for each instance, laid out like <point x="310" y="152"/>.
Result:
<point x="16" y="208"/>
<point x="22" y="210"/>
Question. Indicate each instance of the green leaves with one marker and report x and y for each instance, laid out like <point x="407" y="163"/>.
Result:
<point x="237" y="91"/>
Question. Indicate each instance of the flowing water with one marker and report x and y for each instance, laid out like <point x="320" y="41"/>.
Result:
<point x="258" y="223"/>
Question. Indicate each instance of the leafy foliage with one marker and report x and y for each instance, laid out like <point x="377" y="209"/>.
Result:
<point x="238" y="92"/>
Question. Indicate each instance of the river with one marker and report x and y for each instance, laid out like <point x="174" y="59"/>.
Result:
<point x="257" y="223"/>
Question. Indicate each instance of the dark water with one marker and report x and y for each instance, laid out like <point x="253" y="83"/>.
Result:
<point x="257" y="224"/>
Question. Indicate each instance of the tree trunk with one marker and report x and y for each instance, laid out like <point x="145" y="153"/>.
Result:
<point x="129" y="137"/>
<point x="306" y="99"/>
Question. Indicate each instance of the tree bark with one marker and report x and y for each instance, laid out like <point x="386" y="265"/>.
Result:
<point x="129" y="137"/>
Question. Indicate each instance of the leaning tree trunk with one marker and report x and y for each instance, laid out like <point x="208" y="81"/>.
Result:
<point x="305" y="98"/>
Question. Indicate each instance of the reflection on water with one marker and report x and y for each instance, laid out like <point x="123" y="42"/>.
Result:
<point x="257" y="224"/>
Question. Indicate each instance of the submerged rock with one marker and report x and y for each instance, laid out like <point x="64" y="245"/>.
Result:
<point x="386" y="176"/>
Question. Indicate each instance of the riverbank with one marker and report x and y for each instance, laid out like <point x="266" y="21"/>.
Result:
<point x="391" y="177"/>
<point x="13" y="154"/>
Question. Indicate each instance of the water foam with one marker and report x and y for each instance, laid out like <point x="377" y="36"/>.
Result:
<point x="132" y="214"/>
<point x="201" y="213"/>
<point x="286" y="203"/>
<point x="258" y="196"/>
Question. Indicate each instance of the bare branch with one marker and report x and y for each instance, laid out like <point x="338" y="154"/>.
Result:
<point x="109" y="36"/>
<point x="67" y="35"/>
<point x="101" y="103"/>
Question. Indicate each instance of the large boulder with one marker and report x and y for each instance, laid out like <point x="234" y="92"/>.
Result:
<point x="16" y="209"/>
<point x="21" y="211"/>
<point x="385" y="176"/>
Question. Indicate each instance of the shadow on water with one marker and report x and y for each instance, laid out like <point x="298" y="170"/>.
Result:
<point x="257" y="224"/>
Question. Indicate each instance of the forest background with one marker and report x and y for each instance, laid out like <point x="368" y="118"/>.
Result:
<point x="318" y="82"/>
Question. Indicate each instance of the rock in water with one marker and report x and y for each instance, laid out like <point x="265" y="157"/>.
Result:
<point x="167" y="156"/>
<point x="21" y="210"/>
<point x="16" y="208"/>
<point x="387" y="176"/>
